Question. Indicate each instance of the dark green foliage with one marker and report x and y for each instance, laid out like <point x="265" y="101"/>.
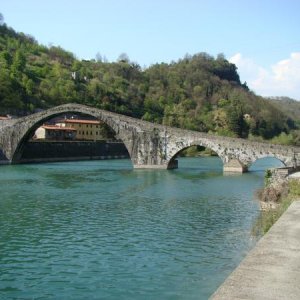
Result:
<point x="290" y="106"/>
<point x="197" y="92"/>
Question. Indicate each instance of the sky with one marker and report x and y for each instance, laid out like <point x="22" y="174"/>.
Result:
<point x="260" y="36"/>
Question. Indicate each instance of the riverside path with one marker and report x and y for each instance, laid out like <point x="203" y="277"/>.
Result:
<point x="271" y="271"/>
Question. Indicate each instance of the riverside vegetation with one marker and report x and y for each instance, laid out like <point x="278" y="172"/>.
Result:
<point x="198" y="92"/>
<point x="275" y="198"/>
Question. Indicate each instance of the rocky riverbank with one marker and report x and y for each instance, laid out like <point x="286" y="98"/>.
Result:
<point x="279" y="184"/>
<point x="277" y="195"/>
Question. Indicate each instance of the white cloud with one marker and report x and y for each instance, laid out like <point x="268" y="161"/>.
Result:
<point x="280" y="79"/>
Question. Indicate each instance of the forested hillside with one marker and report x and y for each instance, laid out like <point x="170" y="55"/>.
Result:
<point x="289" y="106"/>
<point x="197" y="92"/>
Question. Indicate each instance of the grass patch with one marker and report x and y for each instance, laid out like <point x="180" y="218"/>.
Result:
<point x="294" y="188"/>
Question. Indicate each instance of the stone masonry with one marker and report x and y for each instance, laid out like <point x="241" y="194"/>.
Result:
<point x="149" y="145"/>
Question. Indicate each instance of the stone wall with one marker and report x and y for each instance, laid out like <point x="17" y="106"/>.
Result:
<point x="40" y="151"/>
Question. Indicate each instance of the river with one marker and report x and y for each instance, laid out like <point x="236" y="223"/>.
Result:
<point x="101" y="230"/>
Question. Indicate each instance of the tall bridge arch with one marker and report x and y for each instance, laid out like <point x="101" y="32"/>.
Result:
<point x="149" y="145"/>
<point x="16" y="132"/>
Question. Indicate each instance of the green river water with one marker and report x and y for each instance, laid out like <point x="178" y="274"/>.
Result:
<point x="101" y="230"/>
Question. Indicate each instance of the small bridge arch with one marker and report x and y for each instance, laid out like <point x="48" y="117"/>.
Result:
<point x="185" y="145"/>
<point x="265" y="163"/>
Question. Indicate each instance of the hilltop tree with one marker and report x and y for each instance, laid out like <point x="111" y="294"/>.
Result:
<point x="123" y="57"/>
<point x="99" y="57"/>
<point x="1" y="19"/>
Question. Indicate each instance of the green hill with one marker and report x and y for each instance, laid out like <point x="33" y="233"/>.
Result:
<point x="197" y="92"/>
<point x="289" y="106"/>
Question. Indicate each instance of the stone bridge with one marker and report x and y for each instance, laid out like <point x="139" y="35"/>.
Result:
<point x="149" y="145"/>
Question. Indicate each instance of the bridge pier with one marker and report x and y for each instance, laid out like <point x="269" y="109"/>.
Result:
<point x="153" y="167"/>
<point x="234" y="166"/>
<point x="173" y="164"/>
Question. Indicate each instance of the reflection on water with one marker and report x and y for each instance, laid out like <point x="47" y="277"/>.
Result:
<point x="101" y="230"/>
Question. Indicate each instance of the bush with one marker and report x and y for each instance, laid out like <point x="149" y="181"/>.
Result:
<point x="273" y="193"/>
<point x="267" y="218"/>
<point x="294" y="188"/>
<point x="282" y="196"/>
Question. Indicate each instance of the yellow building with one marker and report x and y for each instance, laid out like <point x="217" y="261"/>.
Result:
<point x="53" y="132"/>
<point x="86" y="129"/>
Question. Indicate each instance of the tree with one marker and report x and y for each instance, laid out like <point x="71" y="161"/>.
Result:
<point x="10" y="94"/>
<point x="123" y="57"/>
<point x="5" y="59"/>
<point x="236" y="121"/>
<point x="221" y="56"/>
<point x="99" y="57"/>
<point x="19" y="63"/>
<point x="1" y="19"/>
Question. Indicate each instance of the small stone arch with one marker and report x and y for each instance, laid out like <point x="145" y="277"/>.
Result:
<point x="23" y="130"/>
<point x="172" y="163"/>
<point x="281" y="160"/>
<point x="241" y="161"/>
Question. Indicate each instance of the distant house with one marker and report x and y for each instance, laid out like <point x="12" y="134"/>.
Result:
<point x="247" y="117"/>
<point x="86" y="129"/>
<point x="74" y="129"/>
<point x="54" y="132"/>
<point x="74" y="75"/>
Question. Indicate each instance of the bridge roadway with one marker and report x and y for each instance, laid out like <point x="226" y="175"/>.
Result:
<point x="271" y="271"/>
<point x="149" y="145"/>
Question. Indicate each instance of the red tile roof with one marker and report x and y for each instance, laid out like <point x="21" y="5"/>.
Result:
<point x="77" y="121"/>
<point x="54" y="127"/>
